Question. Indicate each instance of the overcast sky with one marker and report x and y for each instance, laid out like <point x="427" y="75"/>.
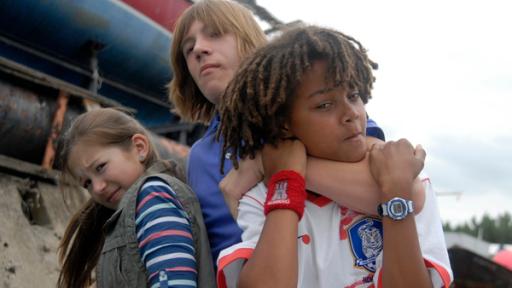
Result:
<point x="444" y="81"/>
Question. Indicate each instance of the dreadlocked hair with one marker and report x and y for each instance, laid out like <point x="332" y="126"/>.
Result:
<point x="256" y="103"/>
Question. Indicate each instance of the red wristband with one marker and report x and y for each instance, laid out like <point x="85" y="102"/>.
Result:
<point x="286" y="190"/>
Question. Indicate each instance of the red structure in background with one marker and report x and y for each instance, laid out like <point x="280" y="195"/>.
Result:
<point x="504" y="258"/>
<point x="163" y="12"/>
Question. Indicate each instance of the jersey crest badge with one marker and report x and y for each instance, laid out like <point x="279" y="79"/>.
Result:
<point x="366" y="240"/>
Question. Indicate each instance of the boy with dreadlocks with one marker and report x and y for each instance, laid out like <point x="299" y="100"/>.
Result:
<point x="311" y="84"/>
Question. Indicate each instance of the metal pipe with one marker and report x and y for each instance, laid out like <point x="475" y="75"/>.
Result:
<point x="26" y="119"/>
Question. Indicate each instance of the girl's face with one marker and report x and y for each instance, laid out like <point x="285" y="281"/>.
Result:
<point x="330" y="121"/>
<point x="107" y="172"/>
<point x="212" y="59"/>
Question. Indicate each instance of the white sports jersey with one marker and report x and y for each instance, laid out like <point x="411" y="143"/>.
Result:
<point x="338" y="247"/>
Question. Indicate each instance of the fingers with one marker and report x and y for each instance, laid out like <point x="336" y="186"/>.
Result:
<point x="405" y="144"/>
<point x="370" y="141"/>
<point x="288" y="155"/>
<point x="377" y="146"/>
<point x="396" y="152"/>
<point x="420" y="153"/>
<point x="230" y="185"/>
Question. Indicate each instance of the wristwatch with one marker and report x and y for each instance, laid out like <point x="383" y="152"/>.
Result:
<point x="396" y="208"/>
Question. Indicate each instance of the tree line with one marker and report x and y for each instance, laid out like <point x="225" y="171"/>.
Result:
<point x="495" y="230"/>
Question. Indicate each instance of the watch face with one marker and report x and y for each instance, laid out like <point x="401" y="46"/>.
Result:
<point x="397" y="209"/>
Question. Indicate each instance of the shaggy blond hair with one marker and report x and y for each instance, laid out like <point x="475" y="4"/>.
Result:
<point x="222" y="17"/>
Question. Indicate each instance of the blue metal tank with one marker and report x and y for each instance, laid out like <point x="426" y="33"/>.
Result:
<point x="68" y="38"/>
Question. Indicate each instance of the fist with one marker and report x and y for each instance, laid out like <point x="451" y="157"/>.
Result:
<point x="394" y="166"/>
<point x="288" y="155"/>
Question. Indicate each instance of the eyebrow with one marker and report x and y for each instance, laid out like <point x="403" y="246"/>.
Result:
<point x="321" y="91"/>
<point x="92" y="164"/>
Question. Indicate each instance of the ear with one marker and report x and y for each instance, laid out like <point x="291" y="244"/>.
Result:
<point x="287" y="132"/>
<point x="141" y="145"/>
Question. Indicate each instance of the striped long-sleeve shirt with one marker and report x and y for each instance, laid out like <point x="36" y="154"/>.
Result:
<point x="164" y="236"/>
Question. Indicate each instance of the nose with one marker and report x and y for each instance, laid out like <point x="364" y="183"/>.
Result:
<point x="98" y="186"/>
<point x="349" y="113"/>
<point x="201" y="48"/>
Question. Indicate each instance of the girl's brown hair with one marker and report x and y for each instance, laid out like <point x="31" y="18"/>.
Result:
<point x="255" y="107"/>
<point x="83" y="239"/>
<point x="222" y="17"/>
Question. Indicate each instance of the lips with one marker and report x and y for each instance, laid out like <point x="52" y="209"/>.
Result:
<point x="114" y="195"/>
<point x="208" y="66"/>
<point x="354" y="136"/>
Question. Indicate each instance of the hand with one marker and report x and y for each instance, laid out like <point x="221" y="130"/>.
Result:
<point x="288" y="155"/>
<point x="394" y="166"/>
<point x="370" y="141"/>
<point x="239" y="181"/>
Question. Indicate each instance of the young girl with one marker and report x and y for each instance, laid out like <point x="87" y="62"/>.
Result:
<point x="142" y="227"/>
<point x="209" y="41"/>
<point x="311" y="84"/>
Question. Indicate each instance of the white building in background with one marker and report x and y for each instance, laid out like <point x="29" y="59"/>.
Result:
<point x="473" y="244"/>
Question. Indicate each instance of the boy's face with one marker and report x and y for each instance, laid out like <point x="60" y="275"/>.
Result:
<point x="330" y="121"/>
<point x="212" y="59"/>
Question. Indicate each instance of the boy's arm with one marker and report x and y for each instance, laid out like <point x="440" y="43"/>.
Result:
<point x="348" y="184"/>
<point x="274" y="262"/>
<point x="351" y="184"/>
<point x="238" y="181"/>
<point x="394" y="166"/>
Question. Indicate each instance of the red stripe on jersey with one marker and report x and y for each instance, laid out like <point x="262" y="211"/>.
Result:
<point x="317" y="199"/>
<point x="242" y="253"/>
<point x="445" y="275"/>
<point x="257" y="201"/>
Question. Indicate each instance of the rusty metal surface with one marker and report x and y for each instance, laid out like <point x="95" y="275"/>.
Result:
<point x="26" y="115"/>
<point x="24" y="123"/>
<point x="26" y="119"/>
<point x="57" y="123"/>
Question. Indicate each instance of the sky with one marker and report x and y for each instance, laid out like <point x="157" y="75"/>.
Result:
<point x="444" y="81"/>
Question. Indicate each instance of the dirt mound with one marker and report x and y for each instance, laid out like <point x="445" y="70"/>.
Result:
<point x="34" y="214"/>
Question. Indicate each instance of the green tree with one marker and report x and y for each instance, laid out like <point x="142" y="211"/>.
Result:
<point x="495" y="230"/>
